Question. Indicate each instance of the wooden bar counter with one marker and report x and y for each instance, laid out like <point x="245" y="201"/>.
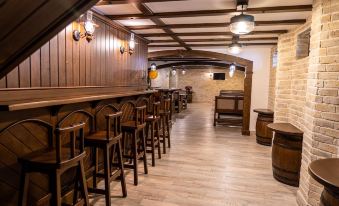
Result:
<point x="326" y="172"/>
<point x="50" y="105"/>
<point x="286" y="153"/>
<point x="263" y="133"/>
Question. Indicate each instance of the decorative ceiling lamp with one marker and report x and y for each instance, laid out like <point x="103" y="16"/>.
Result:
<point x="174" y="71"/>
<point x="232" y="70"/>
<point x="235" y="47"/>
<point x="153" y="66"/>
<point x="243" y="23"/>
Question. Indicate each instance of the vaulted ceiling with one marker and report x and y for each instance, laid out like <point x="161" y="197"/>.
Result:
<point x="195" y="24"/>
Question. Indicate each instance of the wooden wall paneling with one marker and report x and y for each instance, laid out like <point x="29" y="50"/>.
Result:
<point x="25" y="73"/>
<point x="108" y="56"/>
<point x="36" y="69"/>
<point x="13" y="78"/>
<point x="3" y="82"/>
<point x="82" y="60"/>
<point x="88" y="62"/>
<point x="76" y="57"/>
<point x="97" y="65"/>
<point x="93" y="53"/>
<point x="103" y="55"/>
<point x="45" y="66"/>
<point x="115" y="56"/>
<point x="53" y="61"/>
<point x="69" y="56"/>
<point x="62" y="58"/>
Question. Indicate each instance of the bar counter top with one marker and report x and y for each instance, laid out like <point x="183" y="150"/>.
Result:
<point x="38" y="98"/>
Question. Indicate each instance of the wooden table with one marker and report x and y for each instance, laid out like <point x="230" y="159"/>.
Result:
<point x="286" y="153"/>
<point x="263" y="133"/>
<point x="326" y="172"/>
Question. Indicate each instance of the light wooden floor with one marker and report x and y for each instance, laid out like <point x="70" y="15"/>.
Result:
<point x="207" y="166"/>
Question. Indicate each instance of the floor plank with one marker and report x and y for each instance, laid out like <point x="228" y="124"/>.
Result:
<point x="206" y="166"/>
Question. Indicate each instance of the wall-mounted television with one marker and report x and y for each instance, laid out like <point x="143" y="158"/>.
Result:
<point x="219" y="76"/>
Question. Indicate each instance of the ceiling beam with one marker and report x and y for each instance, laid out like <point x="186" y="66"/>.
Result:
<point x="211" y="45"/>
<point x="112" y="2"/>
<point x="212" y="25"/>
<point x="217" y="40"/>
<point x="261" y="10"/>
<point x="212" y="33"/>
<point x="147" y="11"/>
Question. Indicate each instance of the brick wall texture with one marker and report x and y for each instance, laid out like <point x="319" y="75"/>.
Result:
<point x="272" y="80"/>
<point x="306" y="91"/>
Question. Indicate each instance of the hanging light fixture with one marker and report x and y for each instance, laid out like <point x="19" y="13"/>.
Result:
<point x="153" y="66"/>
<point x="232" y="70"/>
<point x="235" y="47"/>
<point x="243" y="23"/>
<point x="183" y="71"/>
<point x="174" y="71"/>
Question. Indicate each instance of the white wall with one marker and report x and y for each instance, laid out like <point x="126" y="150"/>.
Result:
<point x="260" y="81"/>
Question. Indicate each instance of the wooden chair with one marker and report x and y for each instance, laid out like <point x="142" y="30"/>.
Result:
<point x="153" y="125"/>
<point x="133" y="127"/>
<point x="165" y="113"/>
<point x="54" y="161"/>
<point x="107" y="137"/>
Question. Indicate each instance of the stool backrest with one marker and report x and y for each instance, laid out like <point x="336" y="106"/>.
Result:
<point x="140" y="115"/>
<point x="73" y="132"/>
<point x="113" y="125"/>
<point x="156" y="109"/>
<point x="166" y="104"/>
<point x="128" y="111"/>
<point x="101" y="116"/>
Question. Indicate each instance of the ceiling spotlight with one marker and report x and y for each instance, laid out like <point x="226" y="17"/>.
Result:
<point x="243" y="23"/>
<point x="232" y="70"/>
<point x="235" y="47"/>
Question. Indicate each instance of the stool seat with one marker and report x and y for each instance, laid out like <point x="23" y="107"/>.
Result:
<point x="101" y="137"/>
<point x="47" y="158"/>
<point x="163" y="112"/>
<point x="151" y="118"/>
<point x="131" y="125"/>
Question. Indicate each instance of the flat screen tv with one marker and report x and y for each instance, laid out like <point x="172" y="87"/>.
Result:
<point x="219" y="76"/>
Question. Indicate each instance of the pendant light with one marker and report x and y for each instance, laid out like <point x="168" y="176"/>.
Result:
<point x="153" y="66"/>
<point x="243" y="23"/>
<point x="232" y="70"/>
<point x="235" y="47"/>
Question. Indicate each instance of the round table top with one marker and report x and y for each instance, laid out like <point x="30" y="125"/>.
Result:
<point x="285" y="128"/>
<point x="326" y="172"/>
<point x="264" y="111"/>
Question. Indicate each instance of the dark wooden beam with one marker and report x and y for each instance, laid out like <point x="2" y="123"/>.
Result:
<point x="147" y="11"/>
<point x="261" y="10"/>
<point x="112" y="2"/>
<point x="217" y="40"/>
<point x="195" y="63"/>
<point x="211" y="25"/>
<point x="212" y="33"/>
<point x="211" y="45"/>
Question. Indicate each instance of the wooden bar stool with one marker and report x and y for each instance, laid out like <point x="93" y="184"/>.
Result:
<point x="153" y="125"/>
<point x="55" y="161"/>
<point x="107" y="139"/>
<point x="133" y="127"/>
<point x="165" y="113"/>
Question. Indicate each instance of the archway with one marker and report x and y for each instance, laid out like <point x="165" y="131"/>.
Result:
<point x="245" y="63"/>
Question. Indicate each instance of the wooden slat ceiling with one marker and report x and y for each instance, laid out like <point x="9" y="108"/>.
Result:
<point x="204" y="23"/>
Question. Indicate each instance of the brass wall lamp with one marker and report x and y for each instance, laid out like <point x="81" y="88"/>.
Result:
<point x="89" y="27"/>
<point x="131" y="46"/>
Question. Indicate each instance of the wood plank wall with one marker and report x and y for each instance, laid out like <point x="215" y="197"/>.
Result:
<point x="64" y="62"/>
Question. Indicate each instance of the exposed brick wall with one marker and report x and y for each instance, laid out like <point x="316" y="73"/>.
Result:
<point x="307" y="91"/>
<point x="272" y="79"/>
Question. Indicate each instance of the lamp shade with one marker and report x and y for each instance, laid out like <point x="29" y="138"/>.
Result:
<point x="153" y="74"/>
<point x="242" y="24"/>
<point x="235" y="48"/>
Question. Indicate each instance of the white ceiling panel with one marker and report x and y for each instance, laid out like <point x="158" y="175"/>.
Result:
<point x="191" y="5"/>
<point x="118" y="9"/>
<point x="205" y="37"/>
<point x="149" y="31"/>
<point x="165" y="43"/>
<point x="159" y="38"/>
<point x="189" y="30"/>
<point x="136" y="22"/>
<point x="271" y="3"/>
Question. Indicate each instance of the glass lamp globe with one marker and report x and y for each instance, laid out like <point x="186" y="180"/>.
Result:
<point x="235" y="48"/>
<point x="242" y="24"/>
<point x="174" y="72"/>
<point x="153" y="66"/>
<point x="89" y="27"/>
<point x="232" y="70"/>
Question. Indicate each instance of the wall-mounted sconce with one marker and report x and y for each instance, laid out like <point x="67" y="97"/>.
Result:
<point x="131" y="46"/>
<point x="183" y="71"/>
<point x="153" y="66"/>
<point x="89" y="27"/>
<point x="232" y="70"/>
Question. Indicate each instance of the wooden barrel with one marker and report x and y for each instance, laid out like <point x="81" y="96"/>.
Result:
<point x="263" y="133"/>
<point x="286" y="153"/>
<point x="326" y="172"/>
